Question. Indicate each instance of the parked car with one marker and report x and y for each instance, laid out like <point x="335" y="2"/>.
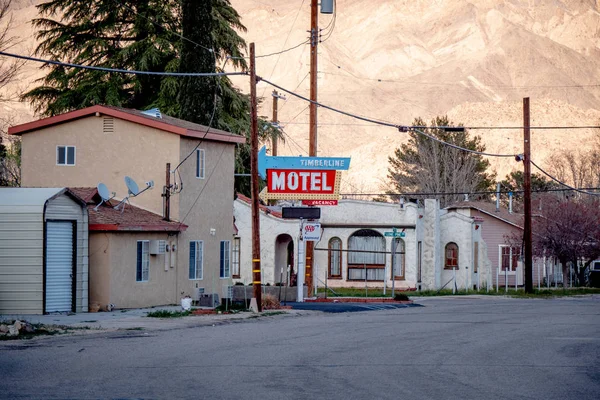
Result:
<point x="595" y="273"/>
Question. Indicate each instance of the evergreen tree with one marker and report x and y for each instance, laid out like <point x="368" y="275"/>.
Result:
<point x="428" y="166"/>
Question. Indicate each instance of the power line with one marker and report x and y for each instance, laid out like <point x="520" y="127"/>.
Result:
<point x="486" y="192"/>
<point x="274" y="54"/>
<point x="389" y="124"/>
<point x="121" y="71"/>
<point x="163" y="28"/>
<point x="284" y="43"/>
<point x="564" y="184"/>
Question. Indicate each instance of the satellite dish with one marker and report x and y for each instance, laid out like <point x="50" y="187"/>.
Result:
<point x="103" y="192"/>
<point x="132" y="187"/>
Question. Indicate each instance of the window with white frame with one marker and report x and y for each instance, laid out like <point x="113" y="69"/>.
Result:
<point x="366" y="256"/>
<point x="200" y="156"/>
<point x="235" y="258"/>
<point x="196" y="259"/>
<point x="142" y="271"/>
<point x="509" y="257"/>
<point x="224" y="269"/>
<point x="65" y="155"/>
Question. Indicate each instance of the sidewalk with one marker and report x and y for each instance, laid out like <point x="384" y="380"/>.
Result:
<point x="136" y="319"/>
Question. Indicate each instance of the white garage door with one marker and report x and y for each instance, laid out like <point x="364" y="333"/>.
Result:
<point x="59" y="266"/>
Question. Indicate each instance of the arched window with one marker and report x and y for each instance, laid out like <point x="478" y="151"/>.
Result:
<point x="451" y="256"/>
<point x="335" y="258"/>
<point x="366" y="256"/>
<point x="398" y="261"/>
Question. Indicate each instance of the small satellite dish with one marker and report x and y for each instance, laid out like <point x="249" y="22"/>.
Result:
<point x="132" y="187"/>
<point x="104" y="194"/>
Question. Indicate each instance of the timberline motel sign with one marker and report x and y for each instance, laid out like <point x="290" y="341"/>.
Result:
<point x="314" y="180"/>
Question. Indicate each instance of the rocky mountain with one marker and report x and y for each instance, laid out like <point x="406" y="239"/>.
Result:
<point x="394" y="60"/>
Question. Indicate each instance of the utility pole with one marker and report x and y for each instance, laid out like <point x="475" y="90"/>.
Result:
<point x="167" y="194"/>
<point x="527" y="196"/>
<point x="276" y="97"/>
<point x="312" y="135"/>
<point x="256" y="278"/>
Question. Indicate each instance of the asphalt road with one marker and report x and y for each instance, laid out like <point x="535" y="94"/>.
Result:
<point x="451" y="348"/>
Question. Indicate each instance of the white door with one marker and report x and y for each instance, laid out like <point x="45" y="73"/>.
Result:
<point x="59" y="266"/>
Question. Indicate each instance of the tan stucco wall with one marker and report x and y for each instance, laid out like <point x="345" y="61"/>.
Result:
<point x="125" y="292"/>
<point x="138" y="151"/>
<point x="206" y="204"/>
<point x="99" y="289"/>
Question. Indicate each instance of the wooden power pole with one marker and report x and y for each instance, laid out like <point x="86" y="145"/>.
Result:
<point x="312" y="136"/>
<point x="274" y="120"/>
<point x="256" y="278"/>
<point x="527" y="197"/>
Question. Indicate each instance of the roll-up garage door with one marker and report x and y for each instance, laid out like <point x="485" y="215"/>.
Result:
<point x="59" y="266"/>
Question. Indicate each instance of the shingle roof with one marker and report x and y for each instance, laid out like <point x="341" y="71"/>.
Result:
<point x="165" y="123"/>
<point x="490" y="209"/>
<point x="132" y="219"/>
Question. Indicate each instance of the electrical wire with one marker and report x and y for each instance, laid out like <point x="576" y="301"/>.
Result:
<point x="562" y="183"/>
<point x="163" y="28"/>
<point x="332" y="23"/>
<point x="121" y="71"/>
<point x="273" y="54"/>
<point x="389" y="124"/>
<point x="285" y="42"/>
<point x="487" y="192"/>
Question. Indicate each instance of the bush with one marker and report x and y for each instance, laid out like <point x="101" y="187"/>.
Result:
<point x="270" y="302"/>
<point x="401" y="297"/>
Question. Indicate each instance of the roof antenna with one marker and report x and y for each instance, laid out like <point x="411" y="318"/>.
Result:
<point x="133" y="190"/>
<point x="105" y="195"/>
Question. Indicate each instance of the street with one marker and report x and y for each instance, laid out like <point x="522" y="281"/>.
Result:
<point x="450" y="348"/>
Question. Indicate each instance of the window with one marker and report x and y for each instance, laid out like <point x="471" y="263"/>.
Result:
<point x="335" y="258"/>
<point x="235" y="258"/>
<point x="196" y="259"/>
<point x="224" y="266"/>
<point x="366" y="256"/>
<point x="142" y="270"/>
<point x="451" y="256"/>
<point x="398" y="261"/>
<point x="200" y="163"/>
<point x="475" y="256"/>
<point x="65" y="155"/>
<point x="509" y="258"/>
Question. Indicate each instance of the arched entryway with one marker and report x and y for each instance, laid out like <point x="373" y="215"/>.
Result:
<point x="284" y="272"/>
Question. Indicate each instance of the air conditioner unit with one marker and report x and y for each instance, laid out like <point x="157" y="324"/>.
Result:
<point x="158" y="247"/>
<point x="197" y="293"/>
<point x="209" y="300"/>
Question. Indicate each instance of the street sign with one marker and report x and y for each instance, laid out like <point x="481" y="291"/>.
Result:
<point x="394" y="234"/>
<point x="319" y="202"/>
<point x="311" y="231"/>
<point x="300" y="212"/>
<point x="299" y="163"/>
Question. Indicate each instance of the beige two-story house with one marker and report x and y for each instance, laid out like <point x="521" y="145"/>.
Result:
<point x="104" y="144"/>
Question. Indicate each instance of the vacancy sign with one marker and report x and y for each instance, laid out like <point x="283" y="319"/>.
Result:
<point x="301" y="178"/>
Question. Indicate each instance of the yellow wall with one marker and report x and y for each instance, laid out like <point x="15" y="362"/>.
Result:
<point x="135" y="150"/>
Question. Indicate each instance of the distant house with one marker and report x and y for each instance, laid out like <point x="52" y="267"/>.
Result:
<point x="501" y="230"/>
<point x="119" y="239"/>
<point x="356" y="243"/>
<point x="43" y="251"/>
<point x="104" y="144"/>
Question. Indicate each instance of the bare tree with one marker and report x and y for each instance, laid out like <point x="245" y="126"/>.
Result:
<point x="10" y="148"/>
<point x="578" y="168"/>
<point x="568" y="230"/>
